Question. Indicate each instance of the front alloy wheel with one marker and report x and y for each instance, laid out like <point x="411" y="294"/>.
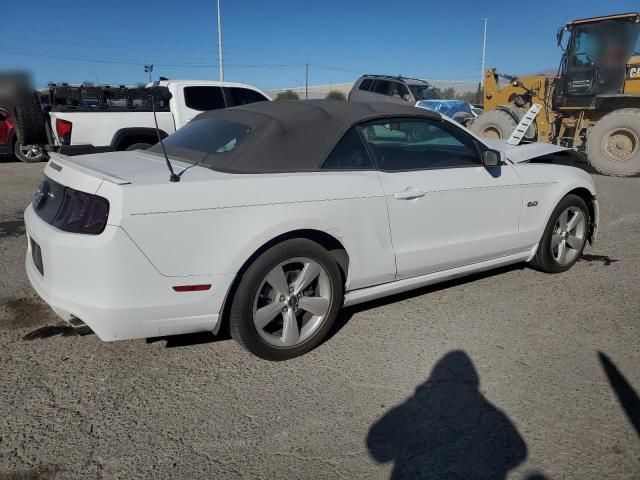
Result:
<point x="565" y="236"/>
<point x="287" y="300"/>
<point x="569" y="235"/>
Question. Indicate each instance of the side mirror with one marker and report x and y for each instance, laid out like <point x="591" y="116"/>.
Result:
<point x="559" y="35"/>
<point x="491" y="158"/>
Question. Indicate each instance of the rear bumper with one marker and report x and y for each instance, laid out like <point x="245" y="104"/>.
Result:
<point x="108" y="283"/>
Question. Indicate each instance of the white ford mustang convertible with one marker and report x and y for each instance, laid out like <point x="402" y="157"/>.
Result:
<point x="280" y="213"/>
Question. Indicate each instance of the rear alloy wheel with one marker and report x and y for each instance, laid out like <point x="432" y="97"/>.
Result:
<point x="28" y="153"/>
<point x="613" y="144"/>
<point x="287" y="300"/>
<point x="565" y="237"/>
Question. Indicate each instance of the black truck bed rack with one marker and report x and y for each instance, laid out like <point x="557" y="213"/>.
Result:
<point x="91" y="98"/>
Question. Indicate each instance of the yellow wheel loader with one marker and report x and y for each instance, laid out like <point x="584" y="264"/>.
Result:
<point x="591" y="105"/>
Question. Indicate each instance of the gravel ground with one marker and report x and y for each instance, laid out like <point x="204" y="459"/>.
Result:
<point x="513" y="373"/>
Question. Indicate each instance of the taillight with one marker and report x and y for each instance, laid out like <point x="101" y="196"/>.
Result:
<point x="63" y="129"/>
<point x="82" y="213"/>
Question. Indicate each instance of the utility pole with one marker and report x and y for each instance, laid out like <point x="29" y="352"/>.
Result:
<point x="484" y="50"/>
<point x="148" y="69"/>
<point x="220" y="65"/>
<point x="306" y="81"/>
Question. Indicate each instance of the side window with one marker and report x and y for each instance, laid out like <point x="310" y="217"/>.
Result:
<point x="349" y="154"/>
<point x="365" y="84"/>
<point x="381" y="87"/>
<point x="243" y="96"/>
<point x="203" y="98"/>
<point x="398" y="90"/>
<point x="586" y="49"/>
<point x="417" y="144"/>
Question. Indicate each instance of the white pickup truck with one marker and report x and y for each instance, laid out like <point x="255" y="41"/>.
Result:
<point x="87" y="119"/>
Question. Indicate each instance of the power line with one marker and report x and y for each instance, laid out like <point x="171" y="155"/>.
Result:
<point x="141" y="62"/>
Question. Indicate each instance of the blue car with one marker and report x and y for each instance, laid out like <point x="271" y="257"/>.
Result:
<point x="457" y="110"/>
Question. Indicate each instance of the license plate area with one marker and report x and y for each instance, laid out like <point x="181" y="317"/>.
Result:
<point x="36" y="255"/>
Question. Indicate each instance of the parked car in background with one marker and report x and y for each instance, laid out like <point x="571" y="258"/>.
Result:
<point x="385" y="88"/>
<point x="83" y="119"/>
<point x="477" y="110"/>
<point x="9" y="145"/>
<point x="286" y="211"/>
<point x="458" y="110"/>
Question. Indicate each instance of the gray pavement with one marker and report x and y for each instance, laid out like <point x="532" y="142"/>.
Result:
<point x="513" y="373"/>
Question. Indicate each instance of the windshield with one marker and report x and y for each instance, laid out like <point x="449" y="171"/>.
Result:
<point x="608" y="44"/>
<point x="423" y="92"/>
<point x="201" y="138"/>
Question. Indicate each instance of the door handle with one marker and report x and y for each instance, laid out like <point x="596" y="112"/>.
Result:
<point x="409" y="194"/>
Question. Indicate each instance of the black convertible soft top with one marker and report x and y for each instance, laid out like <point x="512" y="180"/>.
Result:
<point x="295" y="136"/>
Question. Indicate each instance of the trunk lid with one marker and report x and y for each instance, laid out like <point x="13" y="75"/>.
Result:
<point x="121" y="168"/>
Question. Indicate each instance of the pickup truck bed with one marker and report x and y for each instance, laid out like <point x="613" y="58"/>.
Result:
<point x="87" y="119"/>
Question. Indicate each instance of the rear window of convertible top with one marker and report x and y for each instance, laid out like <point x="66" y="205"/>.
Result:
<point x="200" y="138"/>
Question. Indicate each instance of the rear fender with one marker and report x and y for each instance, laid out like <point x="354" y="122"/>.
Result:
<point x="122" y="136"/>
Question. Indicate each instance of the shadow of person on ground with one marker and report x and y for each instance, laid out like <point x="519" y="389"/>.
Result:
<point x="447" y="429"/>
<point x="625" y="393"/>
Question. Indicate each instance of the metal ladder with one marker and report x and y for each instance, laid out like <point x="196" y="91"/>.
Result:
<point x="523" y="126"/>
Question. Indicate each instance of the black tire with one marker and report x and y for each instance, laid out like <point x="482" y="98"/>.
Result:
<point x="138" y="146"/>
<point x="544" y="259"/>
<point x="617" y="158"/>
<point x="496" y="124"/>
<point x="29" y="121"/>
<point x="34" y="154"/>
<point x="241" y="324"/>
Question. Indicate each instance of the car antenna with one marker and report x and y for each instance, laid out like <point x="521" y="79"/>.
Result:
<point x="172" y="177"/>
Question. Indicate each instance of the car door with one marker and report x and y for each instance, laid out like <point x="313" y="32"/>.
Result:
<point x="198" y="99"/>
<point x="399" y="93"/>
<point x="379" y="91"/>
<point x="446" y="209"/>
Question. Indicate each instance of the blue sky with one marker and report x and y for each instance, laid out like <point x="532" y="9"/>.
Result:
<point x="267" y="43"/>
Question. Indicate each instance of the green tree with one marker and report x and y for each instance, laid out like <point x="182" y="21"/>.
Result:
<point x="335" y="95"/>
<point x="469" y="97"/>
<point x="448" y="93"/>
<point x="287" y="95"/>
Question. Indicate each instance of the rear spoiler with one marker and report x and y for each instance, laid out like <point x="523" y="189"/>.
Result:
<point x="57" y="161"/>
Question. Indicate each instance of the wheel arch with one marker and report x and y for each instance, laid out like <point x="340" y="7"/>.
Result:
<point x="333" y="245"/>
<point x="592" y="204"/>
<point x="130" y="135"/>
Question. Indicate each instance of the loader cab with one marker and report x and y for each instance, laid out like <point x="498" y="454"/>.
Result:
<point x="596" y="55"/>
